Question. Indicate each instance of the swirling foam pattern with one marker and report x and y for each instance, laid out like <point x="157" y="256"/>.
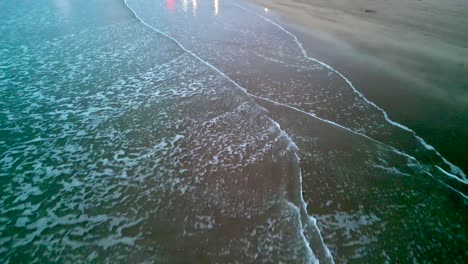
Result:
<point x="117" y="146"/>
<point x="368" y="180"/>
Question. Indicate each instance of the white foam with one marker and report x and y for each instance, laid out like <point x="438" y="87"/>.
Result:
<point x="244" y="90"/>
<point x="204" y="222"/>
<point x="392" y="170"/>
<point x="448" y="186"/>
<point x="335" y="124"/>
<point x="310" y="253"/>
<point x="450" y="175"/>
<point x="455" y="169"/>
<point x="369" y="138"/>
<point x="312" y="220"/>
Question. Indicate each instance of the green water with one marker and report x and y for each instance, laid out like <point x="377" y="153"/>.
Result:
<point x="185" y="131"/>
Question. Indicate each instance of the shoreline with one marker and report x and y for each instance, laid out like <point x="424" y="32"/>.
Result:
<point x="395" y="61"/>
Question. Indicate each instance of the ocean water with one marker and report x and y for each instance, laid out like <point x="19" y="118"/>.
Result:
<point x="202" y="131"/>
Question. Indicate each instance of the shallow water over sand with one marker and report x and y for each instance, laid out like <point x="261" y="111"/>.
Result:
<point x="195" y="131"/>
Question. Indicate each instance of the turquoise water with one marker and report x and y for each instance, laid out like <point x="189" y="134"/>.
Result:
<point x="185" y="131"/>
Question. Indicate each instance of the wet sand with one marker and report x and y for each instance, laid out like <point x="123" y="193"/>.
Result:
<point x="409" y="57"/>
<point x="128" y="136"/>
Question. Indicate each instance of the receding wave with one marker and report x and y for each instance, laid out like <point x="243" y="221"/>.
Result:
<point x="270" y="62"/>
<point x="170" y="138"/>
<point x="118" y="145"/>
<point x="271" y="65"/>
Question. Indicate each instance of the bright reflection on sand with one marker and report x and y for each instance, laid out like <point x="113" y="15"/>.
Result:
<point x="185" y="5"/>
<point x="170" y="5"/>
<point x="216" y="7"/>
<point x="194" y="6"/>
<point x="266" y="10"/>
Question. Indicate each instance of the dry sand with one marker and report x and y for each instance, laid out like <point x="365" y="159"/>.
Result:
<point x="409" y="56"/>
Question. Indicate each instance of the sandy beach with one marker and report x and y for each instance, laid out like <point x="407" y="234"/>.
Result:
<point x="408" y="56"/>
<point x="192" y="131"/>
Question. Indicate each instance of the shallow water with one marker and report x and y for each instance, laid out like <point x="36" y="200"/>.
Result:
<point x="181" y="131"/>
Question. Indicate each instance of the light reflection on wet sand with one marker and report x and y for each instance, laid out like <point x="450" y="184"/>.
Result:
<point x="161" y="157"/>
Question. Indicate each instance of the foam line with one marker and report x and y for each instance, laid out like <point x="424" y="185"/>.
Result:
<point x="448" y="186"/>
<point x="303" y="236"/>
<point x="310" y="218"/>
<point x="449" y="174"/>
<point x="371" y="139"/>
<point x="453" y="168"/>
<point x="238" y="86"/>
<point x="333" y="124"/>
<point x="427" y="146"/>
<point x="294" y="145"/>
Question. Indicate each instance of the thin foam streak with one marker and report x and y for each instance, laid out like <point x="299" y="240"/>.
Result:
<point x="454" y="168"/>
<point x="230" y="80"/>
